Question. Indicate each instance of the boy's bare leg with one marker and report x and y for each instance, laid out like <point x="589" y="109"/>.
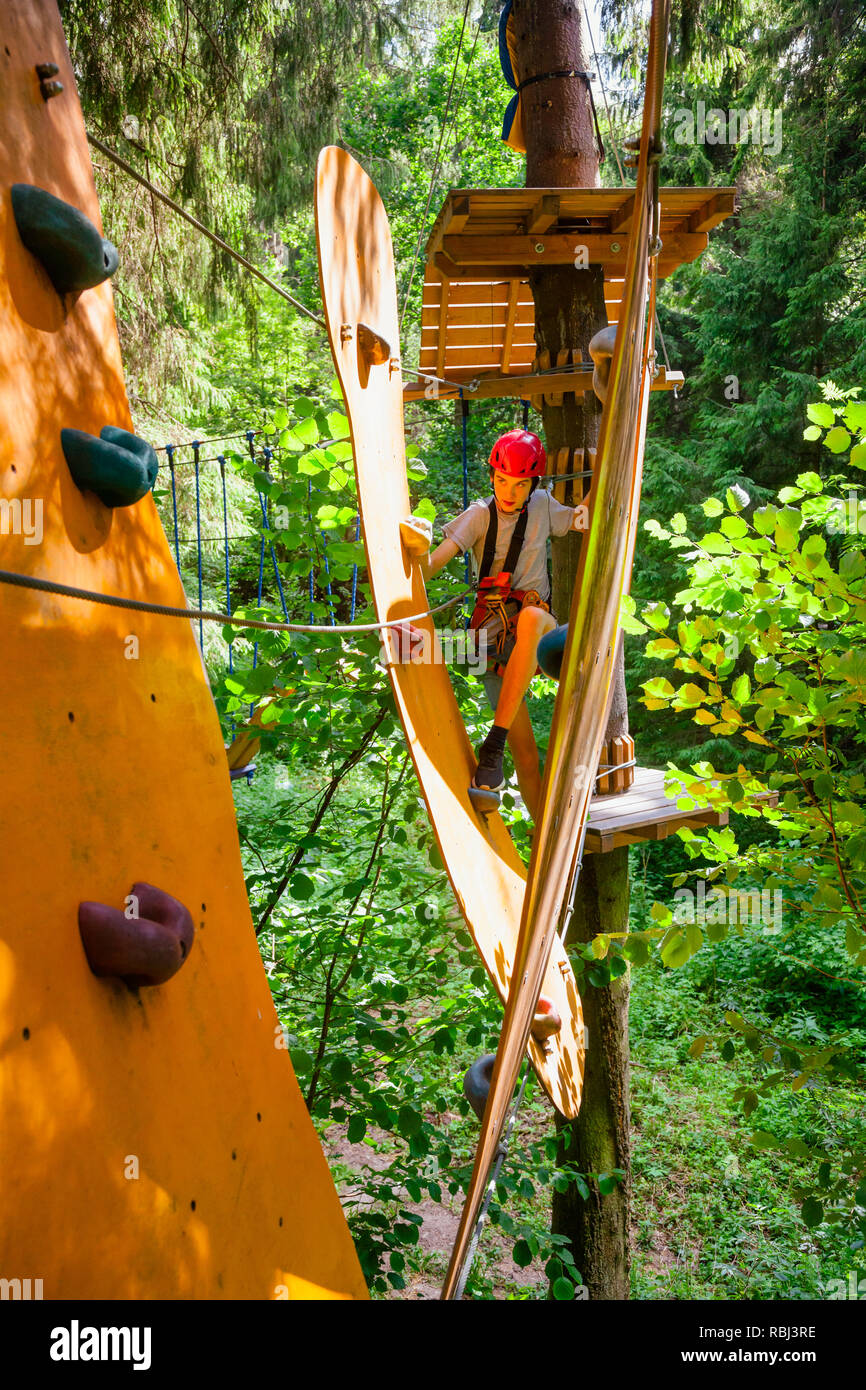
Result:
<point x="524" y="750"/>
<point x="532" y="624"/>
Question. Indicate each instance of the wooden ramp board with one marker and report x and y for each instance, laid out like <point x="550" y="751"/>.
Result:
<point x="356" y="265"/>
<point x="153" y="1145"/>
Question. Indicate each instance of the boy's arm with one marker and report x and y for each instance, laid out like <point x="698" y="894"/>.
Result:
<point x="432" y="564"/>
<point x="416" y="535"/>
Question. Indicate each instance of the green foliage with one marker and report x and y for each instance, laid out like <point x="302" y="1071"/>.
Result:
<point x="771" y="629"/>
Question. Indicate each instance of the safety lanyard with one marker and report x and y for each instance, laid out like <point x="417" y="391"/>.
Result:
<point x="491" y="538"/>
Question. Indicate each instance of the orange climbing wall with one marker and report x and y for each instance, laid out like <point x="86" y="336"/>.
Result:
<point x="152" y="1145"/>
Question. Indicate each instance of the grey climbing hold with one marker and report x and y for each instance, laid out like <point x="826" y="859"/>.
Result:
<point x="65" y="242"/>
<point x="118" y="466"/>
<point x="601" y="351"/>
<point x="476" y="1083"/>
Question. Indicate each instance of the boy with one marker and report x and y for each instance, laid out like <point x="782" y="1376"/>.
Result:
<point x="507" y="534"/>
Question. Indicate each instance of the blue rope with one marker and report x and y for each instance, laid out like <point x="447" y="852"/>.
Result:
<point x="252" y="447"/>
<point x="195" y="450"/>
<point x="464" y="423"/>
<point x="355" y="571"/>
<point x="222" y="464"/>
<point x="310" y="514"/>
<point x="328" y="577"/>
<point x="169" y="449"/>
<point x="268" y="456"/>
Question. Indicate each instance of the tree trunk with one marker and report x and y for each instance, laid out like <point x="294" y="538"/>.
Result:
<point x="569" y="308"/>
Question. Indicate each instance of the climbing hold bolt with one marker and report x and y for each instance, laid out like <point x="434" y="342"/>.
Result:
<point x="65" y="242"/>
<point x="118" y="466"/>
<point x="146" y="949"/>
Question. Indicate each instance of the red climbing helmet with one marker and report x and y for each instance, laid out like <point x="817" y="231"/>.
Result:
<point x="519" y="454"/>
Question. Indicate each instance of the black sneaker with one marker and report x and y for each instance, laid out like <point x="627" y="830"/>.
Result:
<point x="489" y="775"/>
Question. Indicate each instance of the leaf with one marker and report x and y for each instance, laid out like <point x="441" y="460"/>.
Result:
<point x="734" y="527"/>
<point x="812" y="432"/>
<point x="762" y="1139"/>
<point x="409" y="1122"/>
<point x="737" y="498"/>
<point x="812" y="1212"/>
<point x="678" y="524"/>
<point x="307" y="431"/>
<point x="663" y="648"/>
<point x="697" y="1047"/>
<point x="837" y="440"/>
<point x="521" y="1254"/>
<point x="854" y="416"/>
<point x="712" y="507"/>
<point x="357" y="1129"/>
<point x="820" y="413"/>
<point x="301" y="887"/>
<point x="563" y="1290"/>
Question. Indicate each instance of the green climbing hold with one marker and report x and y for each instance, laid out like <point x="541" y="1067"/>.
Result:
<point x="118" y="466"/>
<point x="64" y="241"/>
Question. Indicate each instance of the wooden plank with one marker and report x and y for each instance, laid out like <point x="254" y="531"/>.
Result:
<point x="487" y="875"/>
<point x="509" y="334"/>
<point x="444" y="292"/>
<point x="465" y="339"/>
<point x="562" y="462"/>
<point x="478" y="315"/>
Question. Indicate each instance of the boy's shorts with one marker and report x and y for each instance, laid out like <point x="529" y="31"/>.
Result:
<point x="491" y="678"/>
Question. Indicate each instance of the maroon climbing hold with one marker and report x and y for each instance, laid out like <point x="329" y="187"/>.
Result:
<point x="547" y="1020"/>
<point x="145" y="944"/>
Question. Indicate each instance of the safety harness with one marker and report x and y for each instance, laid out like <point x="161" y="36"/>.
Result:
<point x="494" y="594"/>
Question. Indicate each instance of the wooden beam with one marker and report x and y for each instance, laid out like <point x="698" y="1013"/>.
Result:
<point x="453" y="218"/>
<point x="527" y="385"/>
<point x="714" y="211"/>
<point x="543" y="215"/>
<point x="556" y="249"/>
<point x="449" y="268"/>
<point x="461" y="210"/>
<point x="620" y="221"/>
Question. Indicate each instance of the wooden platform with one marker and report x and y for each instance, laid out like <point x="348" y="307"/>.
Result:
<point x="641" y="813"/>
<point x="478" y="318"/>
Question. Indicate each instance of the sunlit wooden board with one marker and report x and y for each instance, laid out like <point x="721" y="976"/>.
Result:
<point x="152" y="1144"/>
<point x="358" y="287"/>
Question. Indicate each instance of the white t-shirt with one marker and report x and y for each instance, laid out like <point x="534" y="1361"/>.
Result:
<point x="547" y="517"/>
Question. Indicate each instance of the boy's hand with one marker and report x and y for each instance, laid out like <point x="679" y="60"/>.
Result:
<point x="416" y="534"/>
